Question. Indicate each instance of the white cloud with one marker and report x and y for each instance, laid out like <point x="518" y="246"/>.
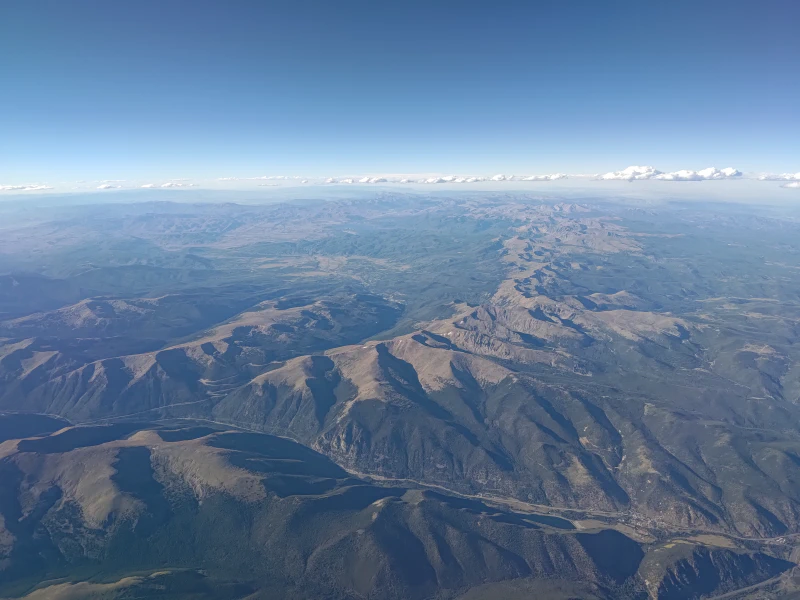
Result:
<point x="453" y="179"/>
<point x="632" y="173"/>
<point x="781" y="177"/>
<point x="107" y="186"/>
<point x="258" y="178"/>
<point x="496" y="178"/>
<point x="173" y="183"/>
<point x="437" y="179"/>
<point x="682" y="175"/>
<point x="552" y="177"/>
<point x="793" y="184"/>
<point x="635" y="173"/>
<point x="704" y="175"/>
<point x="365" y="179"/>
<point x="24" y="188"/>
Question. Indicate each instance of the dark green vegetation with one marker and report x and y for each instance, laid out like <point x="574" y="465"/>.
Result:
<point x="536" y="399"/>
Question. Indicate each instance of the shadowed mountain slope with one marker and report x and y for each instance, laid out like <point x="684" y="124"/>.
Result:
<point x="128" y="504"/>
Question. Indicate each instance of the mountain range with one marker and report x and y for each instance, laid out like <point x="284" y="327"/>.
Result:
<point x="399" y="396"/>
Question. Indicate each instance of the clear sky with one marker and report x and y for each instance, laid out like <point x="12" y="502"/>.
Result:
<point x="140" y="88"/>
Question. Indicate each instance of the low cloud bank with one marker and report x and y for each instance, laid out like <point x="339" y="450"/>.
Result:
<point x="637" y="173"/>
<point x="24" y="188"/>
<point x="781" y="177"/>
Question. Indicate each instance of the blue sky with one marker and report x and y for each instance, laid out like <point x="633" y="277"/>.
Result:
<point x="141" y="89"/>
